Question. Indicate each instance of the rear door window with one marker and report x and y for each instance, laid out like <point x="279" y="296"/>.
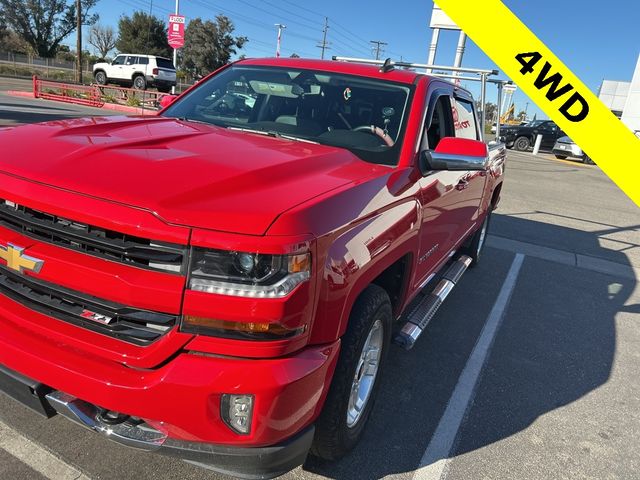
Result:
<point x="165" y="63"/>
<point x="142" y="61"/>
<point x="464" y="119"/>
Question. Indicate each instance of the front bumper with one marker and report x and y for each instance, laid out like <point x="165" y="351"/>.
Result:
<point x="180" y="399"/>
<point x="251" y="463"/>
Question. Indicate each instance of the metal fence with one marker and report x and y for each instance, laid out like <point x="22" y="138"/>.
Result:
<point x="96" y="95"/>
<point x="23" y="65"/>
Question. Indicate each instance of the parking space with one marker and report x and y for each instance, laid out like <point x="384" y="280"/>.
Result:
<point x="527" y="372"/>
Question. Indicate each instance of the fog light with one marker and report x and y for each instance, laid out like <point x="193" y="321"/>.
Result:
<point x="237" y="411"/>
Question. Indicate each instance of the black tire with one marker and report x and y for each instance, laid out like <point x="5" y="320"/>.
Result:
<point x="522" y="144"/>
<point x="333" y="436"/>
<point x="100" y="77"/>
<point x="139" y="82"/>
<point x="477" y="242"/>
<point x="587" y="160"/>
<point x="561" y="157"/>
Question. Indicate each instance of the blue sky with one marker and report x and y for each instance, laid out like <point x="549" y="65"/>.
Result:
<point x="595" y="42"/>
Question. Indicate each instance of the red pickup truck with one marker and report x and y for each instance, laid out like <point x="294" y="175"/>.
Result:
<point x="222" y="282"/>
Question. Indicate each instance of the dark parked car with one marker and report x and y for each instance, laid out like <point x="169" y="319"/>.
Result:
<point x="523" y="137"/>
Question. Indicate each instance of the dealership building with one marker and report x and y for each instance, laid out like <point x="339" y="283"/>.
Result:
<point x="623" y="98"/>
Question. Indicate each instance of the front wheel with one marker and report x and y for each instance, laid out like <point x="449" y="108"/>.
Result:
<point x="561" y="157"/>
<point x="357" y="376"/>
<point x="587" y="160"/>
<point x="522" y="144"/>
<point x="100" y="78"/>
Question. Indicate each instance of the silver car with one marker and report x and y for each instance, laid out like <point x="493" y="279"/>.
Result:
<point x="565" y="147"/>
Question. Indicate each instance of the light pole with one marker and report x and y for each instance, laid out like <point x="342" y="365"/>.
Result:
<point x="175" y="51"/>
<point x="281" y="27"/>
<point x="79" y="39"/>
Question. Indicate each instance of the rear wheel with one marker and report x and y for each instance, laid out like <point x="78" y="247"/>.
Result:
<point x="561" y="157"/>
<point x="357" y="377"/>
<point x="139" y="82"/>
<point x="100" y="78"/>
<point x="522" y="144"/>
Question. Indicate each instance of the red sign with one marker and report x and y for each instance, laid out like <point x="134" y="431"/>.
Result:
<point x="176" y="31"/>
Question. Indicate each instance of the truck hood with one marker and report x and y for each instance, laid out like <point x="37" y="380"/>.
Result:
<point x="186" y="173"/>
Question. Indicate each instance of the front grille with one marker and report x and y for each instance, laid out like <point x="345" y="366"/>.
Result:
<point x="140" y="327"/>
<point x="100" y="242"/>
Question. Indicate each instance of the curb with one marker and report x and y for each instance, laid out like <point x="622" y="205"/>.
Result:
<point x="106" y="106"/>
<point x="19" y="93"/>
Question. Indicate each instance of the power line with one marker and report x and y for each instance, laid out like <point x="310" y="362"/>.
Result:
<point x="378" y="47"/>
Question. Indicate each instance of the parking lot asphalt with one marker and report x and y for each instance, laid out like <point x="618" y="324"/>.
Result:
<point x="528" y="371"/>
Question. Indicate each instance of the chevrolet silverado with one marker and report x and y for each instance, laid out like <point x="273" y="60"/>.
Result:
<point x="222" y="282"/>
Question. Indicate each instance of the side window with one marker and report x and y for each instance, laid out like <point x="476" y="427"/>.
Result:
<point x="130" y="60"/>
<point x="143" y="60"/>
<point x="464" y="119"/>
<point x="119" y="60"/>
<point x="441" y="125"/>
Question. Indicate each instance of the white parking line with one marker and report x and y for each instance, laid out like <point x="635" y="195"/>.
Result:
<point x="436" y="457"/>
<point x="36" y="457"/>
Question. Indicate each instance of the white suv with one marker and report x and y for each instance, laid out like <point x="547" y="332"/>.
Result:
<point x="141" y="71"/>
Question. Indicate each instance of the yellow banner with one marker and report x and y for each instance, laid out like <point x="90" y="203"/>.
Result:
<point x="552" y="86"/>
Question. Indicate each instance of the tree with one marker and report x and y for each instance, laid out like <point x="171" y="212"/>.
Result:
<point x="43" y="24"/>
<point x="209" y="45"/>
<point x="103" y="39"/>
<point x="143" y="33"/>
<point x="294" y="55"/>
<point x="490" y="112"/>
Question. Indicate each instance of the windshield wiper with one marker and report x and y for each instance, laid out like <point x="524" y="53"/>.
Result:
<point x="272" y="133"/>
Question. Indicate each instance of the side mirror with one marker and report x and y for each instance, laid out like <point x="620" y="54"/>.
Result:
<point x="455" y="154"/>
<point x="167" y="100"/>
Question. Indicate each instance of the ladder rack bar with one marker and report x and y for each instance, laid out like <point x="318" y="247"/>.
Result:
<point x="470" y="79"/>
<point x="369" y="61"/>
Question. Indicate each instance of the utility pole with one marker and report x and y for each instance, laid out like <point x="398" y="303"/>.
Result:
<point x="79" y="41"/>
<point x="378" y="46"/>
<point x="175" y="50"/>
<point x="324" y="45"/>
<point x="281" y="27"/>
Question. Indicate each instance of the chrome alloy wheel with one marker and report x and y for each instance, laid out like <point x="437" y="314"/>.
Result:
<point x="366" y="373"/>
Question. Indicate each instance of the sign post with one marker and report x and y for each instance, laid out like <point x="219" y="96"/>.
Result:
<point x="175" y="37"/>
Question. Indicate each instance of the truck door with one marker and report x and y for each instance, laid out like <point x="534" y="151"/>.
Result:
<point x="473" y="183"/>
<point x="550" y="133"/>
<point x="116" y="67"/>
<point x="447" y="197"/>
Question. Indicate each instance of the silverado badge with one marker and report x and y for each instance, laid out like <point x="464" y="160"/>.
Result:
<point x="18" y="261"/>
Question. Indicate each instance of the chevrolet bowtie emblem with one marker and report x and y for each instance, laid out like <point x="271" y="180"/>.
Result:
<point x="18" y="261"/>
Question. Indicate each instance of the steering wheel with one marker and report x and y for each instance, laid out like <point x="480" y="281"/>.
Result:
<point x="377" y="131"/>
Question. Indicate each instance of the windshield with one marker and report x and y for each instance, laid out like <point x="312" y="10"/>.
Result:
<point x="536" y="123"/>
<point x="366" y="116"/>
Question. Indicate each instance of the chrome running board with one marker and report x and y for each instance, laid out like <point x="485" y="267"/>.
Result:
<point x="422" y="314"/>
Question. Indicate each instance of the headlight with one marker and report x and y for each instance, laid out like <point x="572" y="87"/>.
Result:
<point x="244" y="274"/>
